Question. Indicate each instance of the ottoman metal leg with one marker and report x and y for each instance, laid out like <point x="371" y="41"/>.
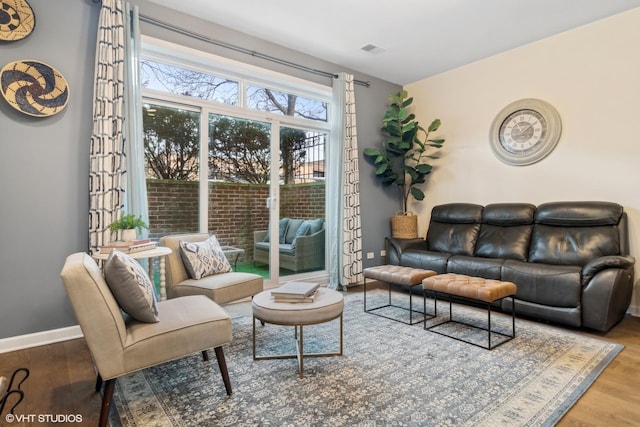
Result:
<point x="411" y="321"/>
<point x="488" y="328"/>
<point x="299" y="338"/>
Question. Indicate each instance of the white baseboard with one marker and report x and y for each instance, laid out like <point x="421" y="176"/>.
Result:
<point x="39" y="338"/>
<point x="634" y="311"/>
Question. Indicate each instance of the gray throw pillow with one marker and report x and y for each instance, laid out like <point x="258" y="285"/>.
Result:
<point x="203" y="259"/>
<point x="282" y="230"/>
<point x="131" y="287"/>
<point x="316" y="225"/>
<point x="303" y="230"/>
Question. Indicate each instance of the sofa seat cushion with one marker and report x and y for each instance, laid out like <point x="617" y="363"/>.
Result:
<point x="284" y="248"/>
<point x="488" y="268"/>
<point x="546" y="284"/>
<point x="287" y="249"/>
<point x="566" y="315"/>
<point x="222" y="288"/>
<point x="263" y="246"/>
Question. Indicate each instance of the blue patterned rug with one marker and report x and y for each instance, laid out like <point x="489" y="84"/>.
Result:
<point x="390" y="374"/>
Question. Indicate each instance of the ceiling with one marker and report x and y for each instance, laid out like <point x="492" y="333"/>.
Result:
<point x="412" y="39"/>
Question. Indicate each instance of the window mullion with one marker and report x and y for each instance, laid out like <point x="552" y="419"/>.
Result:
<point x="203" y="202"/>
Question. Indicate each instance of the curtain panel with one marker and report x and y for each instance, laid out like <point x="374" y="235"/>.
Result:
<point x="116" y="124"/>
<point x="344" y="261"/>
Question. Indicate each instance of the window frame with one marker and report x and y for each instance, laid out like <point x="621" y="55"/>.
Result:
<point x="245" y="74"/>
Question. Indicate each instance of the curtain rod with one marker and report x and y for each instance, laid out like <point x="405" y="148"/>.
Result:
<point x="253" y="53"/>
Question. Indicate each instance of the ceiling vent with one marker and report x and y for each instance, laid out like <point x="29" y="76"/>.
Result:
<point x="371" y="48"/>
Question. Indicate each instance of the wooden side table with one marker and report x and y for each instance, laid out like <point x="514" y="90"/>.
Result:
<point x="160" y="252"/>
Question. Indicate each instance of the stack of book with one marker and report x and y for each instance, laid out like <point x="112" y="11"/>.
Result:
<point x="295" y="292"/>
<point x="129" y="246"/>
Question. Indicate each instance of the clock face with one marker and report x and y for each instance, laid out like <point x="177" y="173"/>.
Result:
<point x="522" y="131"/>
<point x="525" y="132"/>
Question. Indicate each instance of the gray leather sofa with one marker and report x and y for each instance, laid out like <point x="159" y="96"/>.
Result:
<point x="569" y="260"/>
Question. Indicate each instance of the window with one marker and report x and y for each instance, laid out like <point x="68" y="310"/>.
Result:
<point x="218" y="135"/>
<point x="182" y="81"/>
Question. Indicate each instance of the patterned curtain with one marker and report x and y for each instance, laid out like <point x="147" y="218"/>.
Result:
<point x="108" y="159"/>
<point x="343" y="193"/>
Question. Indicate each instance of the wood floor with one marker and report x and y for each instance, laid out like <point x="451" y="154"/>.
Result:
<point x="62" y="383"/>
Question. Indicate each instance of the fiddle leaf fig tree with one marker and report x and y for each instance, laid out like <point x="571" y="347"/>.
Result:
<point x="406" y="147"/>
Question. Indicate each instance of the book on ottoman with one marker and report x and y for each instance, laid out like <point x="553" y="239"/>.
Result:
<point x="295" y="292"/>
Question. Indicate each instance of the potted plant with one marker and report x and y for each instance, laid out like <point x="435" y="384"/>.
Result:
<point x="402" y="161"/>
<point x="128" y="224"/>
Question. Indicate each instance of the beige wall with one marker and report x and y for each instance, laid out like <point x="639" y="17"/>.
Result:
<point x="592" y="77"/>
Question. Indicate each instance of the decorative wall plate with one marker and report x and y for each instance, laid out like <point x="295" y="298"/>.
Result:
<point x="17" y="20"/>
<point x="34" y="88"/>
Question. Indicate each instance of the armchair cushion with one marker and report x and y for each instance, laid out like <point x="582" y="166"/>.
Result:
<point x="203" y="259"/>
<point x="131" y="286"/>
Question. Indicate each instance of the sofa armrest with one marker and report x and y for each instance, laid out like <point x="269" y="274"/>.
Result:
<point x="259" y="235"/>
<point x="395" y="247"/>
<point x="606" y="293"/>
<point x="602" y="263"/>
<point x="309" y="251"/>
<point x="310" y="243"/>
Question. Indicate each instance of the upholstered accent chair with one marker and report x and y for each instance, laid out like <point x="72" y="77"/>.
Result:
<point x="120" y="345"/>
<point x="222" y="288"/>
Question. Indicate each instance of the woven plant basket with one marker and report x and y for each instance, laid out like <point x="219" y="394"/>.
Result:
<point x="404" y="225"/>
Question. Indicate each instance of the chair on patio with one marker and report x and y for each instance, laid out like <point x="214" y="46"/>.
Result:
<point x="120" y="345"/>
<point x="222" y="288"/>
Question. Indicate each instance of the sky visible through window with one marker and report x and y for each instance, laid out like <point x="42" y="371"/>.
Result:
<point x="181" y="81"/>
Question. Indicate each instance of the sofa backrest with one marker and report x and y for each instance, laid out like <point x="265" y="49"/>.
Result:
<point x="301" y="227"/>
<point x="574" y="233"/>
<point x="561" y="233"/>
<point x="454" y="228"/>
<point x="505" y="231"/>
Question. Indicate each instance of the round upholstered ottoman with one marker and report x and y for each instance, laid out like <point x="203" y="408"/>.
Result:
<point x="327" y="305"/>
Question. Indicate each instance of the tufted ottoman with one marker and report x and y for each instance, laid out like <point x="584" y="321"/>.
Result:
<point x="397" y="275"/>
<point x="326" y="306"/>
<point x="477" y="289"/>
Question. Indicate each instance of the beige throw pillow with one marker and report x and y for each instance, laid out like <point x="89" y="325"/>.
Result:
<point x="203" y="259"/>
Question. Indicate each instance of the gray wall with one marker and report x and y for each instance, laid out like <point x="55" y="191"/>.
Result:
<point x="44" y="162"/>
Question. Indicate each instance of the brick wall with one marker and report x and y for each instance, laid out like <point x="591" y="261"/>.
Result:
<point x="235" y="210"/>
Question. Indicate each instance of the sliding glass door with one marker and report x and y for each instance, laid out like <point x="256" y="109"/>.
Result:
<point x="271" y="178"/>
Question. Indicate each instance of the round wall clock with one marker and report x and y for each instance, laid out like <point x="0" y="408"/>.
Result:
<point x="525" y="131"/>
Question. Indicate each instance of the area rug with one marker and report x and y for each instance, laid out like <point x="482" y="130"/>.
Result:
<point x="391" y="374"/>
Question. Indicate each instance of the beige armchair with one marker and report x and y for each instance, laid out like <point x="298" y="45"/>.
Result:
<point x="120" y="345"/>
<point x="221" y="288"/>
